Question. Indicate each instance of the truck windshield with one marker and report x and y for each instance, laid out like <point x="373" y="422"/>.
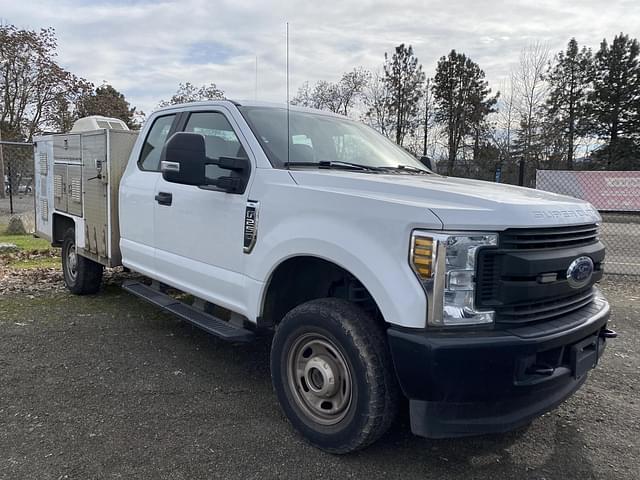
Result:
<point x="324" y="140"/>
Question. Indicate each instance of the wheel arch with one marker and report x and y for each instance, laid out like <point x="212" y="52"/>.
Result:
<point x="60" y="224"/>
<point x="300" y="278"/>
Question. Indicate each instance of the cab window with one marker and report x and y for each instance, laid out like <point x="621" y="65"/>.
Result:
<point x="219" y="137"/>
<point x="152" y="148"/>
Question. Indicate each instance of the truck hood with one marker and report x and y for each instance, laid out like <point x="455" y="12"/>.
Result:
<point x="459" y="203"/>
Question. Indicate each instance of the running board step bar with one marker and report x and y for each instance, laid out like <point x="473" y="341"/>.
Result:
<point x="205" y="321"/>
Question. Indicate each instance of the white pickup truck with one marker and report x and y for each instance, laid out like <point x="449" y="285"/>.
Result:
<point x="379" y="278"/>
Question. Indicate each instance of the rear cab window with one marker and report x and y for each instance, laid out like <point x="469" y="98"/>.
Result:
<point x="152" y="148"/>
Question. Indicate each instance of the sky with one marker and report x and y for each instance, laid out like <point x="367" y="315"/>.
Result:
<point x="146" y="48"/>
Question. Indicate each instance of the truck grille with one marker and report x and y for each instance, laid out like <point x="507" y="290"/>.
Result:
<point x="543" y="310"/>
<point x="530" y="238"/>
<point x="524" y="278"/>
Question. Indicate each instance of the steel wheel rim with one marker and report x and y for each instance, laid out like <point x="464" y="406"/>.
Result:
<point x="319" y="378"/>
<point x="72" y="262"/>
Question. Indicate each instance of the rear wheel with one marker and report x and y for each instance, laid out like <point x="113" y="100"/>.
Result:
<point x="332" y="372"/>
<point x="81" y="275"/>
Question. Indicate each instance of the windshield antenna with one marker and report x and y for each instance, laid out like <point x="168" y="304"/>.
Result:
<point x="288" y="132"/>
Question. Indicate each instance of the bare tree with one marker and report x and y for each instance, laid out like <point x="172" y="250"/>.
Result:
<point x="351" y="88"/>
<point x="187" y="92"/>
<point x="336" y="97"/>
<point x="505" y="123"/>
<point x="376" y="99"/>
<point x="531" y="91"/>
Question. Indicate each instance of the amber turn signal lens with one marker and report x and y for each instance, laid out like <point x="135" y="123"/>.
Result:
<point x="422" y="257"/>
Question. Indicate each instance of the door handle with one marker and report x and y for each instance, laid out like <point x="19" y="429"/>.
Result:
<point x="164" y="198"/>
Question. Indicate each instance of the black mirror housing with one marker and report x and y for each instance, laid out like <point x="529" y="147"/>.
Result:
<point x="183" y="159"/>
<point x="426" y="161"/>
<point x="239" y="169"/>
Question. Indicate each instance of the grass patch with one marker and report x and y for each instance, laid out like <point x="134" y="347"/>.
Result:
<point x="32" y="253"/>
<point x="27" y="243"/>
<point x="35" y="262"/>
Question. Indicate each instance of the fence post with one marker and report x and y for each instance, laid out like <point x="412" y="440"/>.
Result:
<point x="521" y="173"/>
<point x="1" y="164"/>
<point x="10" y="188"/>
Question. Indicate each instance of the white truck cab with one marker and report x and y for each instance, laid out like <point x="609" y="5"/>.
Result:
<point x="379" y="277"/>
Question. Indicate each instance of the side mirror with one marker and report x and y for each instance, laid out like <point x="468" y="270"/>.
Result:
<point x="426" y="161"/>
<point x="183" y="159"/>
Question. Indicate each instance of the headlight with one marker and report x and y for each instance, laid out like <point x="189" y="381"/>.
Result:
<point x="445" y="263"/>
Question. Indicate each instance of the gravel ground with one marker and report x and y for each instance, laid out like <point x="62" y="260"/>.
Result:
<point x="107" y="386"/>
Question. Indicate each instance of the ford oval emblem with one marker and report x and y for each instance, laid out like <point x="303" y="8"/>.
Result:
<point x="579" y="272"/>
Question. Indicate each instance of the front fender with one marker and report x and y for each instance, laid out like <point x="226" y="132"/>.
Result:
<point x="376" y="255"/>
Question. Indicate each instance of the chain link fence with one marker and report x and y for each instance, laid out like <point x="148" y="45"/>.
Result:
<point x="616" y="195"/>
<point x="16" y="170"/>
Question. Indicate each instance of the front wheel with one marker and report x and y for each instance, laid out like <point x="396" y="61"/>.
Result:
<point x="333" y="375"/>
<point x="81" y="275"/>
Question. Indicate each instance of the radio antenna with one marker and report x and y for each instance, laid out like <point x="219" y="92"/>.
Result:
<point x="288" y="132"/>
<point x="256" y="89"/>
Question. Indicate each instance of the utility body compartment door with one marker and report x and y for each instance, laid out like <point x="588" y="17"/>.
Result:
<point x="199" y="232"/>
<point x="60" y="199"/>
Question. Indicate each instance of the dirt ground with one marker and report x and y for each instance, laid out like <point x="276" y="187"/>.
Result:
<point x="107" y="386"/>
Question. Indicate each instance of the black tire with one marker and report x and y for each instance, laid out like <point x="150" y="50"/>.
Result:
<point x="84" y="276"/>
<point x="333" y="338"/>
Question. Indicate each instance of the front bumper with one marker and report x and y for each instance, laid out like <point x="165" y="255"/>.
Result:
<point x="473" y="383"/>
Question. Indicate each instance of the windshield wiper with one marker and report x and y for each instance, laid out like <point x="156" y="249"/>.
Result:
<point x="335" y="164"/>
<point x="409" y="168"/>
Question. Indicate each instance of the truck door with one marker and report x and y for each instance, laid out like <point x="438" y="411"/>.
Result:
<point x="137" y="191"/>
<point x="199" y="233"/>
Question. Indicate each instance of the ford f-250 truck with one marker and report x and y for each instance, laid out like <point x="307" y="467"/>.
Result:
<point x="379" y="278"/>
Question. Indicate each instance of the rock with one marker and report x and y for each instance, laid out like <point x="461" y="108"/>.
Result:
<point x="8" y="248"/>
<point x="29" y="221"/>
<point x="16" y="226"/>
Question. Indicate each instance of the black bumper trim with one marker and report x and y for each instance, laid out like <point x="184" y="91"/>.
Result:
<point x="450" y="420"/>
<point x="466" y="383"/>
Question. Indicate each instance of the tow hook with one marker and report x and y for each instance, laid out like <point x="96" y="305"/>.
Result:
<point x="608" y="333"/>
<point x="541" y="369"/>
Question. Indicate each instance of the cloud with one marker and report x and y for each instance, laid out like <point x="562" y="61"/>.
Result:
<point x="145" y="48"/>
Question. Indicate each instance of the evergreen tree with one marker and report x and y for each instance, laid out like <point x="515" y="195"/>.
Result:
<point x="462" y="100"/>
<point x="403" y="77"/>
<point x="614" y="103"/>
<point x="568" y="78"/>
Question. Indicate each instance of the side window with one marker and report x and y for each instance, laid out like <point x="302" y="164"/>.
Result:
<point x="219" y="137"/>
<point x="150" y="155"/>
